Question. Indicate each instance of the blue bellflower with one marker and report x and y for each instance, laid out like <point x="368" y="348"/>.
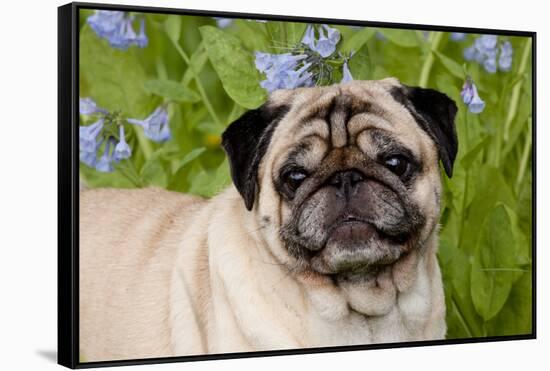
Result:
<point x="505" y="57"/>
<point x="457" y="36"/>
<point x="155" y="126"/>
<point x="88" y="136"/>
<point x="117" y="28"/>
<point x="325" y="45"/>
<point x="380" y="36"/>
<point x="87" y="106"/>
<point x="141" y="39"/>
<point x="125" y="35"/>
<point x="226" y="22"/>
<point x="122" y="149"/>
<point x="294" y="78"/>
<point x="105" y="22"/>
<point x="485" y="51"/>
<point x="471" y="98"/>
<point x="346" y="73"/>
<point x="283" y="71"/>
<point x="105" y="163"/>
<point x="88" y="158"/>
<point x="309" y="37"/>
<point x="223" y="22"/>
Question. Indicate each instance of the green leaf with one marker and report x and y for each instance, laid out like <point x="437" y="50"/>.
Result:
<point x="171" y="90"/>
<point x="462" y="317"/>
<point x="253" y="35"/>
<point x="94" y="179"/>
<point x="453" y="67"/>
<point x="494" y="268"/>
<point x="515" y="318"/>
<point x="276" y="32"/>
<point x="209" y="183"/>
<point x="152" y="172"/>
<point x="471" y="156"/>
<point x="524" y="206"/>
<point x="295" y="32"/>
<point x="189" y="157"/>
<point x="113" y="78"/>
<point x="234" y="66"/>
<point x="210" y="127"/>
<point x="198" y="61"/>
<point x="360" y="64"/>
<point x="404" y="38"/>
<point x="487" y="187"/>
<point x="172" y="26"/>
<point x="357" y="40"/>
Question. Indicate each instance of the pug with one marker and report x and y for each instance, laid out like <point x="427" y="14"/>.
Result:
<point x="328" y="236"/>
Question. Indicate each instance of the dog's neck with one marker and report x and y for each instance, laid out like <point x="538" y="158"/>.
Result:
<point x="372" y="293"/>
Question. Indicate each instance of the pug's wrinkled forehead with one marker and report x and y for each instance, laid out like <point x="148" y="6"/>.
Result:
<point x="337" y="116"/>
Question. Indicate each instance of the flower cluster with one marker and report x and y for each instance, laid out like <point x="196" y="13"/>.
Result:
<point x="108" y="133"/>
<point x="471" y="98"/>
<point x="305" y="64"/>
<point x="492" y="55"/>
<point x="282" y="71"/>
<point x="99" y="134"/>
<point x="116" y="27"/>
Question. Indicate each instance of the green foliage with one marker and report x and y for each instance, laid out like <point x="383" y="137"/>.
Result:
<point x="207" y="78"/>
<point x="235" y="67"/>
<point x="496" y="263"/>
<point x="114" y="77"/>
<point x="171" y="90"/>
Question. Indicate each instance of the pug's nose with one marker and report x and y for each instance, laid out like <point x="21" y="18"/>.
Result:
<point x="346" y="182"/>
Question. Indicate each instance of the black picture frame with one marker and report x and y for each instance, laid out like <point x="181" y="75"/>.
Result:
<point x="68" y="184"/>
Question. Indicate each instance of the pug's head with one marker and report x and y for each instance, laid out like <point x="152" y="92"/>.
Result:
<point x="344" y="179"/>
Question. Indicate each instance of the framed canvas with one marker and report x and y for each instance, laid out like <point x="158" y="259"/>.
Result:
<point x="242" y="185"/>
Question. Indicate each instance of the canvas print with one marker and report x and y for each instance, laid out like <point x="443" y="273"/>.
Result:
<point x="257" y="184"/>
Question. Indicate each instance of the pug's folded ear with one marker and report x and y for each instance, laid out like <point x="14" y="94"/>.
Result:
<point x="435" y="113"/>
<point x="245" y="141"/>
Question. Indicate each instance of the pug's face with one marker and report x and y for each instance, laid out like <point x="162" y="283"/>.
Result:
<point x="345" y="178"/>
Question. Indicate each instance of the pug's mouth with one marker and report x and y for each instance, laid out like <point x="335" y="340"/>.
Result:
<point x="352" y="227"/>
<point x="356" y="245"/>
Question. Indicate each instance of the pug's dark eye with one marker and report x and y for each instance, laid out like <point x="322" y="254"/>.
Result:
<point x="294" y="178"/>
<point x="399" y="165"/>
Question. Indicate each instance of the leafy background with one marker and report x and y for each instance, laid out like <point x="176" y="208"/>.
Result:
<point x="208" y="76"/>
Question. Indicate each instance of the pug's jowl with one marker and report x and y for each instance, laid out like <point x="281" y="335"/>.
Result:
<point x="328" y="236"/>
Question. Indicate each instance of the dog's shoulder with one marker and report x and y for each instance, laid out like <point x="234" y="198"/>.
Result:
<point x="139" y="196"/>
<point x="136" y="203"/>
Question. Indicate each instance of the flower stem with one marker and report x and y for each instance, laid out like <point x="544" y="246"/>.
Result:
<point x="144" y="144"/>
<point x="129" y="171"/>
<point x="198" y="81"/>
<point x="466" y="185"/>
<point x="461" y="318"/>
<point x="428" y="63"/>
<point x="161" y="69"/>
<point x="513" y="106"/>
<point x="498" y="135"/>
<point x="524" y="156"/>
<point x="135" y="173"/>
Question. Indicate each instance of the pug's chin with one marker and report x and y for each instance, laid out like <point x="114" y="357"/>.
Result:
<point x="356" y="248"/>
